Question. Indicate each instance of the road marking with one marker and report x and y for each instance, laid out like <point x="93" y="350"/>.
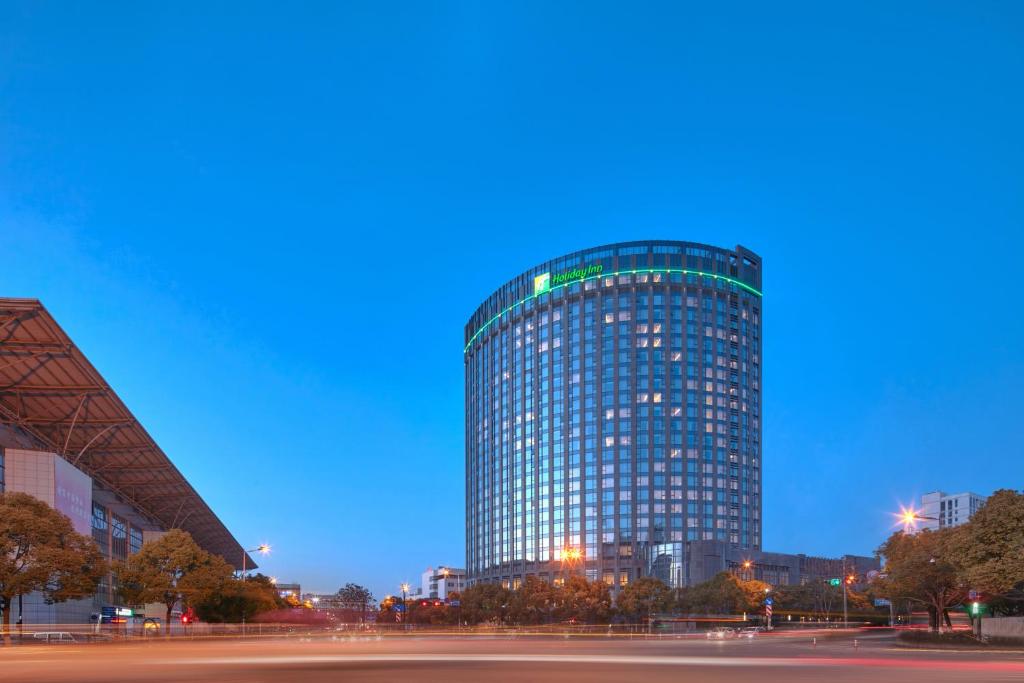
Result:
<point x="743" y="662"/>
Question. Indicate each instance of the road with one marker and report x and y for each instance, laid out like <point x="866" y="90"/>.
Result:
<point x="458" y="659"/>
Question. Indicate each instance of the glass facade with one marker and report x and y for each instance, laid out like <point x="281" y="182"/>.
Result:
<point x="613" y="413"/>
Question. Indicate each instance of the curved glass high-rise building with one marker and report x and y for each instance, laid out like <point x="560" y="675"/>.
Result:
<point x="613" y="414"/>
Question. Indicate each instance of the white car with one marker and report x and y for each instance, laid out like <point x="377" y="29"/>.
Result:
<point x="751" y="631"/>
<point x="721" y="633"/>
<point x="54" y="637"/>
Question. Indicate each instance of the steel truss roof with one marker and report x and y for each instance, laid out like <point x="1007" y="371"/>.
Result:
<point x="51" y="392"/>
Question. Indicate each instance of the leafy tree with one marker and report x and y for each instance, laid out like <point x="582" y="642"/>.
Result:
<point x="429" y="611"/>
<point x="754" y="593"/>
<point x="799" y="598"/>
<point x="170" y="570"/>
<point x="234" y="600"/>
<point x="722" y="594"/>
<point x="989" y="549"/>
<point x="644" y="597"/>
<point x="533" y="603"/>
<point x="354" y="594"/>
<point x="918" y="568"/>
<point x="387" y="614"/>
<point x="485" y="602"/>
<point x="820" y="599"/>
<point x="581" y="600"/>
<point x="41" y="551"/>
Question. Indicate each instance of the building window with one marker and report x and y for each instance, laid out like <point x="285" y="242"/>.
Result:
<point x="100" y="528"/>
<point x="118" y="538"/>
<point x="135" y="540"/>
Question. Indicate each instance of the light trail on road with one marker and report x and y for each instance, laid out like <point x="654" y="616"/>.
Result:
<point x="632" y="660"/>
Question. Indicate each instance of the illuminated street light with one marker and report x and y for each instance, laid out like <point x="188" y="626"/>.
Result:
<point x="262" y="549"/>
<point x="405" y="608"/>
<point x="909" y="518"/>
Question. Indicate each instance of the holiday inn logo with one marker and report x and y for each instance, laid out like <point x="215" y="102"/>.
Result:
<point x="543" y="282"/>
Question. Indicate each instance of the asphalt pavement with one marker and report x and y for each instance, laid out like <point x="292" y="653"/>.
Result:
<point x="867" y="656"/>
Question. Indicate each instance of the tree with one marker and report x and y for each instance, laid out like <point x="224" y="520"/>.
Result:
<point x="170" y="570"/>
<point x="428" y="611"/>
<point x="918" y="568"/>
<point x="754" y="593"/>
<point x="533" y="602"/>
<point x="989" y="549"/>
<point x="235" y="600"/>
<point x="386" y="614"/>
<point x="580" y="600"/>
<point x="722" y="594"/>
<point x="644" y="597"/>
<point x="41" y="551"/>
<point x="485" y="602"/>
<point x="354" y="594"/>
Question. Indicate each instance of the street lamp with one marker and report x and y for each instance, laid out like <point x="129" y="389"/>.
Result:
<point x="405" y="607"/>
<point x="262" y="549"/>
<point x="909" y="518"/>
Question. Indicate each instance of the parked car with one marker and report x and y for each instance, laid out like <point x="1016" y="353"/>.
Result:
<point x="54" y="637"/>
<point x="721" y="633"/>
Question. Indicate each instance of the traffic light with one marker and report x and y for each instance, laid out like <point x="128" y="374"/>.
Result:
<point x="835" y="582"/>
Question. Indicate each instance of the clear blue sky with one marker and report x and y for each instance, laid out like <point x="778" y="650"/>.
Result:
<point x="267" y="227"/>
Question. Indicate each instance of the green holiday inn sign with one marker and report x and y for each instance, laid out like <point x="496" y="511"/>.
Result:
<point x="545" y="281"/>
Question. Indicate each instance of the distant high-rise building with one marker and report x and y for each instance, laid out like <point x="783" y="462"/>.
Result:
<point x="941" y="510"/>
<point x="613" y="413"/>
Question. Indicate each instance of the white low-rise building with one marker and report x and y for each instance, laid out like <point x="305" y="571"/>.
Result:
<point x="441" y="582"/>
<point x="940" y="509"/>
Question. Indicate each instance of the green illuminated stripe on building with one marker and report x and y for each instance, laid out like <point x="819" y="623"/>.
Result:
<point x="682" y="271"/>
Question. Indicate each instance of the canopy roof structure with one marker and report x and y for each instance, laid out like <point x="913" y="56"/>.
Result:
<point x="51" y="392"/>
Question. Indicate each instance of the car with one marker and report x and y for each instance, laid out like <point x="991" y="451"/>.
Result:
<point x="54" y="637"/>
<point x="750" y="631"/>
<point x="721" y="633"/>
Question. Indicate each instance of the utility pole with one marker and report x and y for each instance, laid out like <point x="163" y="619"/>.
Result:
<point x="846" y="620"/>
